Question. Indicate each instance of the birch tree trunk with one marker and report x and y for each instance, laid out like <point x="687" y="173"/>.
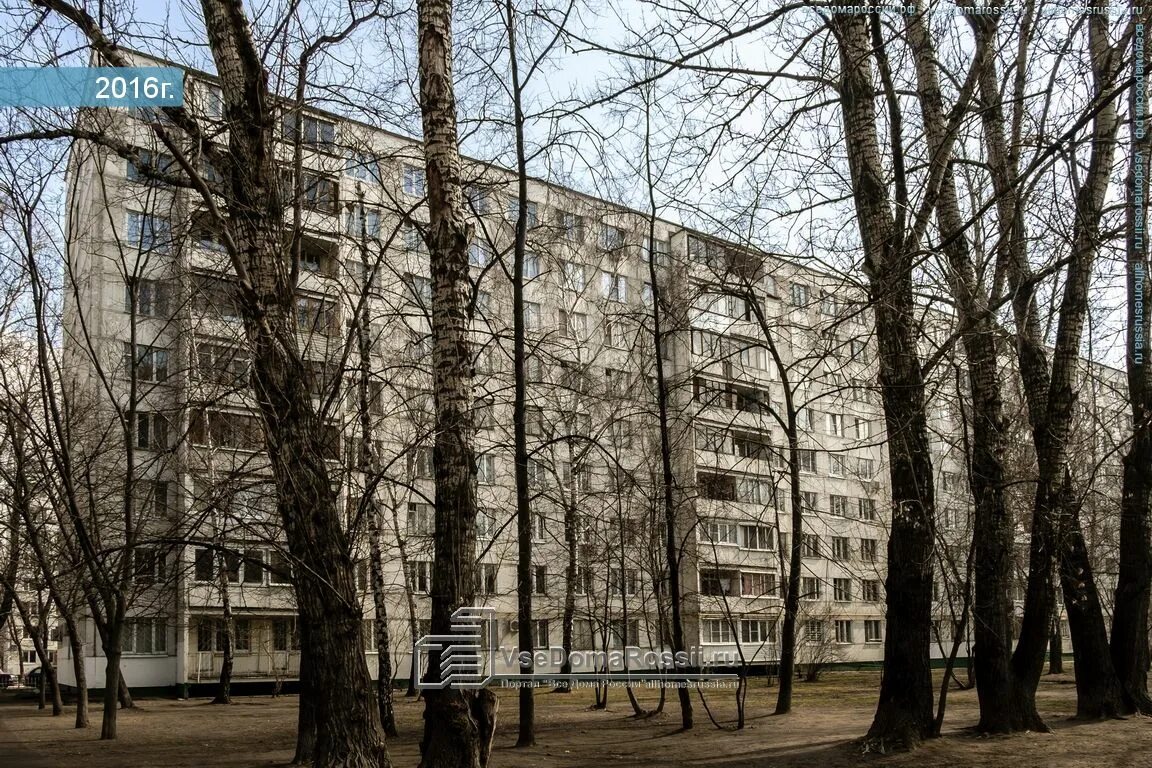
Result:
<point x="452" y="736"/>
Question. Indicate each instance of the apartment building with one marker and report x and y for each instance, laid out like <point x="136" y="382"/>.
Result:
<point x="153" y="313"/>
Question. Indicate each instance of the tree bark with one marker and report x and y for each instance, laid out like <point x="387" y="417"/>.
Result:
<point x="451" y="732"/>
<point x="224" y="689"/>
<point x="1056" y="649"/>
<point x="526" y="736"/>
<point x="904" y="713"/>
<point x="993" y="523"/>
<point x="1129" y="640"/>
<point x="306" y="717"/>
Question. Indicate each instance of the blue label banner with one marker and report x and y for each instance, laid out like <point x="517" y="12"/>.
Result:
<point x="91" y="87"/>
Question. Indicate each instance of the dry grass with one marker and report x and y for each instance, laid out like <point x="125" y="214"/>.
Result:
<point x="827" y="718"/>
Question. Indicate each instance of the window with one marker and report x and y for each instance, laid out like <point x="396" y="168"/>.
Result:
<point x="646" y="294"/>
<point x="312" y="130"/>
<point x="477" y="198"/>
<point x="147" y="565"/>
<point x="539" y="527"/>
<point x="719" y="531"/>
<point x="843" y="631"/>
<point x="532" y="212"/>
<point x="486" y="469"/>
<point x="421" y="519"/>
<point x="863" y="428"/>
<point x="753" y="490"/>
<point x="540" y="580"/>
<point x="152" y="298"/>
<point x="316" y="315"/>
<point x="572" y="225"/>
<point x="757" y="584"/>
<point x="540" y="633"/>
<point x="715" y="631"/>
<point x="838" y="505"/>
<point x="151" y="431"/>
<point x="717" y="486"/>
<point x="362" y="222"/>
<point x="485" y="523"/>
<point x="573" y="325"/>
<point x="210" y="100"/>
<point x="837" y="465"/>
<point x="870" y="591"/>
<point x="799" y="294"/>
<point x="623" y="581"/>
<point x="873" y="632"/>
<point x="842" y="590"/>
<point x="151" y="362"/>
<point x="814" y="631"/>
<point x="868" y="549"/>
<point x="809" y="545"/>
<point x="147" y="163"/>
<point x="419" y="289"/>
<point x="659" y="250"/>
<point x="809" y="588"/>
<point x="226" y="430"/>
<point x="148" y="232"/>
<point x="858" y="350"/>
<point x="950" y="481"/>
<point x="572" y="276"/>
<point x="145" y="636"/>
<point x="488" y="578"/>
<point x="413" y="181"/>
<point x="279" y="567"/>
<point x="866" y="509"/>
<point x="807" y="460"/>
<point x="204" y="565"/>
<point x="531" y="266"/>
<point x="865" y="468"/>
<point x="716" y="581"/>
<point x="583" y="584"/>
<point x="829" y="306"/>
<point x="253" y="566"/>
<point x="420" y="576"/>
<point x="757" y="537"/>
<point x="613" y="286"/>
<point x="611" y="237"/>
<point x="809" y="502"/>
<point x="835" y="424"/>
<point x="531" y="316"/>
<point x="757" y="631"/>
<point x="479" y="254"/>
<point x="321" y="193"/>
<point x="420" y="463"/>
<point x="363" y="166"/>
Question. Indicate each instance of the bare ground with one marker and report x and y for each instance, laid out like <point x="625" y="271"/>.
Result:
<point x="827" y="719"/>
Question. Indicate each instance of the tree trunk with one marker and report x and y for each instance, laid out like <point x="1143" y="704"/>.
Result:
<point x="1056" y="649"/>
<point x="451" y="733"/>
<point x="306" y="717"/>
<point x="1129" y="641"/>
<point x="904" y="713"/>
<point x="224" y="691"/>
<point x="571" y="574"/>
<point x="993" y="523"/>
<point x="526" y="736"/>
<point x="348" y="730"/>
<point x="383" y="636"/>
<point x="78" y="669"/>
<point x="111" y="688"/>
<point x="1098" y="692"/>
